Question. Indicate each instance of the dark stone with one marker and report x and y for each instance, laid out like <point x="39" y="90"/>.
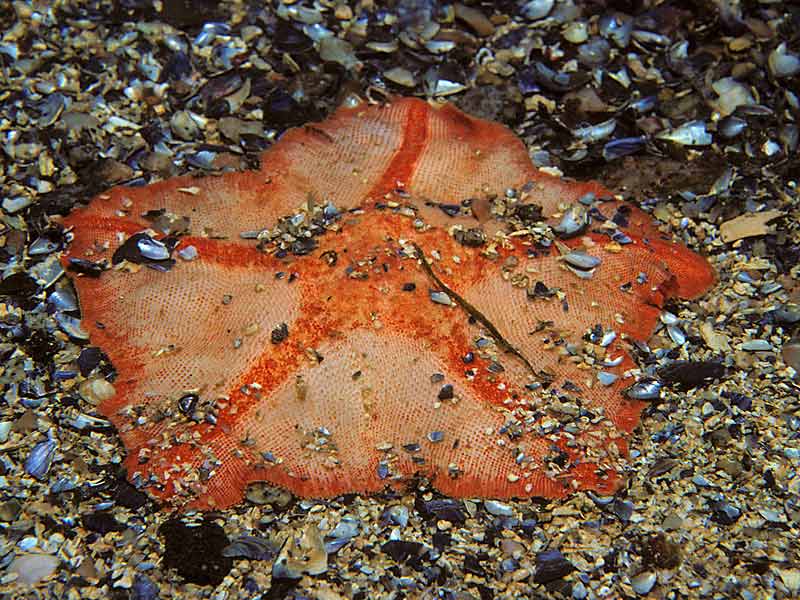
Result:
<point x="303" y="246"/>
<point x="451" y="210"/>
<point x="402" y="550"/>
<point x="472" y="238"/>
<point x="128" y="496"/>
<point x="196" y="552"/>
<point x="446" y="509"/>
<point x="41" y="345"/>
<point x="179" y="66"/>
<point x="738" y="399"/>
<point x="88" y="359"/>
<point x="446" y="393"/>
<point x="540" y="290"/>
<point x="472" y="564"/>
<point x="19" y="284"/>
<point x="102" y="522"/>
<point x="289" y="39"/>
<point x="143" y="588"/>
<point x="724" y="513"/>
<point x="279" y="334"/>
<point x="218" y="87"/>
<point x="187" y="403"/>
<point x="251" y="547"/>
<point x="687" y="374"/>
<point x="190" y="13"/>
<point x="528" y="213"/>
<point x="441" y="540"/>
<point x="280" y="109"/>
<point x="623" y="509"/>
<point x="86" y="267"/>
<point x="552" y="80"/>
<point x="550" y="566"/>
<point x="657" y="551"/>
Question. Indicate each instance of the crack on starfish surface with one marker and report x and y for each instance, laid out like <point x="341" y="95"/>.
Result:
<point x="396" y="292"/>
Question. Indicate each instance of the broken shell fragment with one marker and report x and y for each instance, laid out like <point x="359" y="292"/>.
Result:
<point x="581" y="260"/>
<point x="302" y="554"/>
<point x="644" y="389"/>
<point x="783" y="64"/>
<point x="41" y="457"/>
<point x="574" y="222"/>
<point x="692" y="133"/>
<point x="595" y="133"/>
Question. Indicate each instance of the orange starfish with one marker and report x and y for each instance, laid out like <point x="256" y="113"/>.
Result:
<point x="373" y="304"/>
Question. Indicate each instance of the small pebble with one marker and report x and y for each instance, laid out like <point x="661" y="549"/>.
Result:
<point x="33" y="568"/>
<point x="643" y="582"/>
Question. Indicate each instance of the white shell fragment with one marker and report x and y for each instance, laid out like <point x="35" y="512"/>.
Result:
<point x="30" y="569"/>
<point x="302" y="554"/>
<point x="692" y="133"/>
<point x="188" y="253"/>
<point x="783" y="64"/>
<point x="749" y="225"/>
<point x="441" y="298"/>
<point x="581" y="260"/>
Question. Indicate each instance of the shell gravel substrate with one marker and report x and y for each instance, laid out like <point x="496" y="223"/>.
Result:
<point x="688" y="116"/>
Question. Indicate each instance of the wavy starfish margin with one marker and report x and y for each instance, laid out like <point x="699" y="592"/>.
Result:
<point x="356" y="313"/>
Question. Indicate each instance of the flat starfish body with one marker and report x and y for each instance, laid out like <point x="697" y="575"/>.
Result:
<point x="358" y="312"/>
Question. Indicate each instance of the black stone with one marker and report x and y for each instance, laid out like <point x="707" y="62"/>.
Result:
<point x="687" y="374"/>
<point x="86" y="267"/>
<point x="251" y="547"/>
<point x="289" y="39"/>
<point x="441" y="540"/>
<point x="281" y="109"/>
<point x="179" y="66"/>
<point x="279" y="334"/>
<point x="102" y="522"/>
<point x="88" y="359"/>
<point x="472" y="238"/>
<point x="128" y="496"/>
<point x="451" y="210"/>
<point x="187" y="403"/>
<point x="528" y="213"/>
<point x="402" y="550"/>
<point x="190" y="13"/>
<point x="303" y="246"/>
<point x="18" y="284"/>
<point x="550" y="566"/>
<point x="446" y="509"/>
<point x="196" y="552"/>
<point x="724" y="513"/>
<point x="540" y="290"/>
<point x="472" y="564"/>
<point x="446" y="393"/>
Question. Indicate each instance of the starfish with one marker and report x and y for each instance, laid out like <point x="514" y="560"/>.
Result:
<point x="396" y="292"/>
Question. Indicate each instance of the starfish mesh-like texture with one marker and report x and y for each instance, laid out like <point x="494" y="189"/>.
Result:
<point x="329" y="368"/>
